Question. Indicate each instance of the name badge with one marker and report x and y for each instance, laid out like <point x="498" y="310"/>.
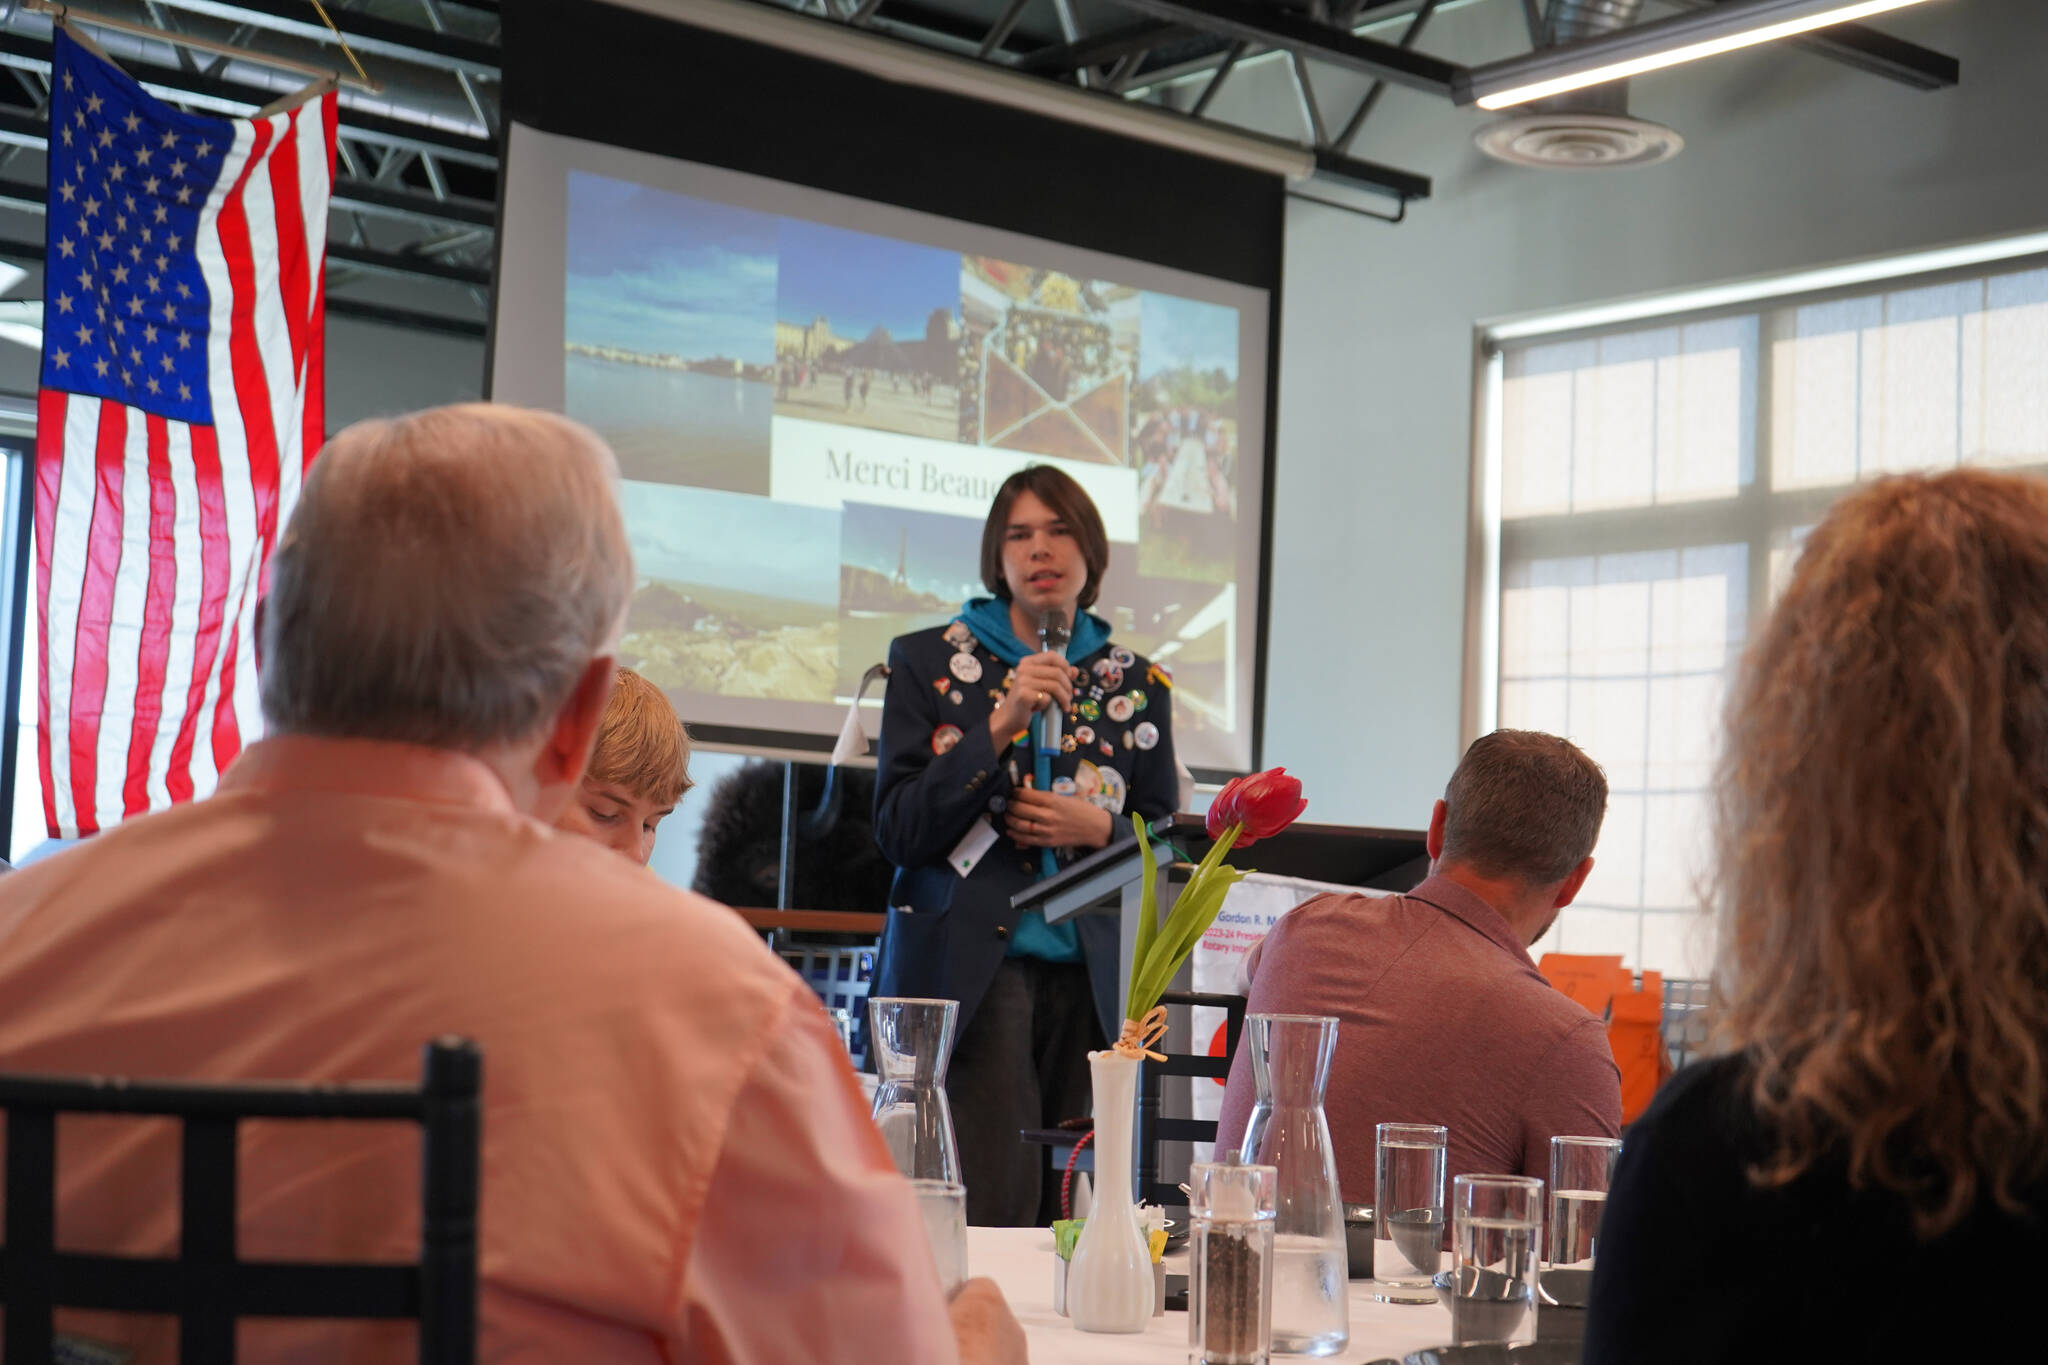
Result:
<point x="969" y="850"/>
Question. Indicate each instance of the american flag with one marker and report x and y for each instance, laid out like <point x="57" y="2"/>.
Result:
<point x="182" y="398"/>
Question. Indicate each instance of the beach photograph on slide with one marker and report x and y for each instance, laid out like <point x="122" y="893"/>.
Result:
<point x="669" y="332"/>
<point x="711" y="613"/>
<point x="1185" y="434"/>
<point x="899" y="571"/>
<point x="1047" y="361"/>
<point x="1189" y="629"/>
<point x="866" y="331"/>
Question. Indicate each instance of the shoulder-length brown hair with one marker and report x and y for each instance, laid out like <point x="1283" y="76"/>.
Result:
<point x="1882" y="847"/>
<point x="1070" y="503"/>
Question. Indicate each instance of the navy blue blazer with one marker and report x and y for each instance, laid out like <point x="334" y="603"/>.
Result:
<point x="938" y="773"/>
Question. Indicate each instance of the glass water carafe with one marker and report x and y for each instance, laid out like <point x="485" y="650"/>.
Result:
<point x="1288" y="1131"/>
<point x="912" y="1040"/>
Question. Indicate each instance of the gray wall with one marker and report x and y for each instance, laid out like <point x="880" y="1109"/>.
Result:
<point x="1791" y="161"/>
<point x="374" y="370"/>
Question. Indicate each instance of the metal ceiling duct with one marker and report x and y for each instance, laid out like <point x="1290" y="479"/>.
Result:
<point x="1588" y="129"/>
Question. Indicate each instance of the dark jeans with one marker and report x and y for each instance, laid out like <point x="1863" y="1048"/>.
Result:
<point x="1021" y="1062"/>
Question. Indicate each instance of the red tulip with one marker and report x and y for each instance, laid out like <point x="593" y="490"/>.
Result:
<point x="1258" y="805"/>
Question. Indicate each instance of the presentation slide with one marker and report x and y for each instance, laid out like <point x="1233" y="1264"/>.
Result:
<point x="813" y="399"/>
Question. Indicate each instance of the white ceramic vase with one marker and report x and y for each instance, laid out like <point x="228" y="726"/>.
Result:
<point x="1109" y="1281"/>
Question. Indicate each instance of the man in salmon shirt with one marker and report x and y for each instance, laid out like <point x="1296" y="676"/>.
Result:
<point x="677" y="1162"/>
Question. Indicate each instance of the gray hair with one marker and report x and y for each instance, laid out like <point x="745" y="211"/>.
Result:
<point x="445" y="580"/>
<point x="1523" y="806"/>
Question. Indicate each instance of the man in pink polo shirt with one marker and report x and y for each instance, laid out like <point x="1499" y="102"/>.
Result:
<point x="1443" y="1018"/>
<point x="677" y="1162"/>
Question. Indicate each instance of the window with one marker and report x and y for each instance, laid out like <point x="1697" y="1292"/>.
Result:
<point x="20" y="787"/>
<point x="1656" y="482"/>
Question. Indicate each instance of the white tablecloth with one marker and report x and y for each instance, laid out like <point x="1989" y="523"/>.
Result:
<point x="1020" y="1260"/>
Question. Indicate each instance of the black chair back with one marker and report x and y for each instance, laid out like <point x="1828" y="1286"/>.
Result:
<point x="206" y="1286"/>
<point x="1152" y="1128"/>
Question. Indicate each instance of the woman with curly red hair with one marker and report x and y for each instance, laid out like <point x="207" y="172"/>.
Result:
<point x="1864" y="1175"/>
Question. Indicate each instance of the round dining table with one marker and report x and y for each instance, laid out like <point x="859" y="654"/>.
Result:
<point x="1020" y="1260"/>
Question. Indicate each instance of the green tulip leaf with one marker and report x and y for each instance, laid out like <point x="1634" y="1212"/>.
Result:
<point x="1148" y="922"/>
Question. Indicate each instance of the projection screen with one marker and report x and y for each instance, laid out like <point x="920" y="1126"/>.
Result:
<point x="813" y="398"/>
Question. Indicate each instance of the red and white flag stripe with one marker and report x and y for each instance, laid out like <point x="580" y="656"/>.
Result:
<point x="153" y="534"/>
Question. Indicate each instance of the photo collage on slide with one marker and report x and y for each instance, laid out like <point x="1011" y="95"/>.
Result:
<point x="810" y="422"/>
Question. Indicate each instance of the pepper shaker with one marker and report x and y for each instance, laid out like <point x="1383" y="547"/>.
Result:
<point x="1230" y="1263"/>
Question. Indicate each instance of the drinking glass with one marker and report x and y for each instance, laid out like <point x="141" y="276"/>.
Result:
<point x="912" y="1042"/>
<point x="944" y="1206"/>
<point x="1581" y="1170"/>
<point x="1288" y="1131"/>
<point x="1496" y="1239"/>
<point x="1408" y="1211"/>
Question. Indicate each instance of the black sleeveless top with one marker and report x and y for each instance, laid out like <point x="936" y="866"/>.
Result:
<point x="1697" y="1264"/>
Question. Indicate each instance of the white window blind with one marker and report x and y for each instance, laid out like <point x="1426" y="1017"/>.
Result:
<point x="1656" y="482"/>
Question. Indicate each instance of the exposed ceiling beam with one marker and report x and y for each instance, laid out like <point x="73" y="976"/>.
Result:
<point x="349" y="195"/>
<point x="171" y="82"/>
<point x="1063" y="59"/>
<point x="367" y="197"/>
<point x="22" y="196"/>
<point x="1202" y="53"/>
<point x="999" y="33"/>
<point x="961" y="31"/>
<point x="1371" y="98"/>
<point x="1197" y="47"/>
<point x="367" y="34"/>
<point x="19" y="128"/>
<point x="1867" y="49"/>
<point x="1386" y="179"/>
<point x="1305" y="37"/>
<point x="911" y="64"/>
<point x="407" y="263"/>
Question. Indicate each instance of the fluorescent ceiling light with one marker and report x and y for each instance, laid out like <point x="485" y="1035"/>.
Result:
<point x="1900" y="269"/>
<point x="1629" y="52"/>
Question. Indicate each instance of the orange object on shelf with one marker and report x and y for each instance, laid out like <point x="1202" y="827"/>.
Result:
<point x="1635" y="1030"/>
<point x="1589" y="979"/>
<point x="1634" y="1015"/>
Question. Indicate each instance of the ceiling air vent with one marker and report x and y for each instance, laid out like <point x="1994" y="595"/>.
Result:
<point x="1588" y="129"/>
<point x="1567" y="140"/>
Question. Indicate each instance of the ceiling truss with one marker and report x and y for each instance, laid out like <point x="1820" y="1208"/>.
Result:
<point x="414" y="208"/>
<point x="416" y="179"/>
<point x="1200" y="43"/>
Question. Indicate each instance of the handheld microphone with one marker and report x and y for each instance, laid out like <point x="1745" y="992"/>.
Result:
<point x="1052" y="638"/>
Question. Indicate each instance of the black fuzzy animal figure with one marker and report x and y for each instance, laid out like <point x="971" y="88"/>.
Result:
<point x="838" y="867"/>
